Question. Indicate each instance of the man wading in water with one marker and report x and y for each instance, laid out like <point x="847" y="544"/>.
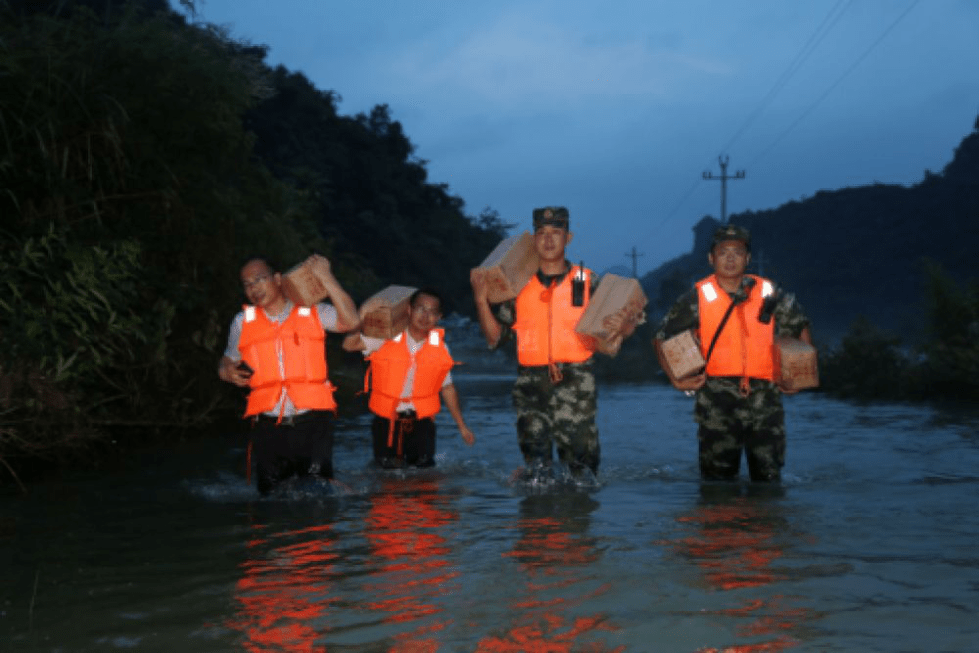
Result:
<point x="555" y="394"/>
<point x="739" y="405"/>
<point x="407" y="375"/>
<point x="277" y="349"/>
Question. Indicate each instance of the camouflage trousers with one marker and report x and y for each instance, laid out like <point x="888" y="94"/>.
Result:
<point x="731" y="423"/>
<point x="558" y="415"/>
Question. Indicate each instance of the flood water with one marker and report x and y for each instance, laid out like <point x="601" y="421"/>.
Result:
<point x="869" y="544"/>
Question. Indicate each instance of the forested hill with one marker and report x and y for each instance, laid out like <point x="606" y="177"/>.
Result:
<point x="142" y="157"/>
<point x="853" y="252"/>
<point x="369" y="196"/>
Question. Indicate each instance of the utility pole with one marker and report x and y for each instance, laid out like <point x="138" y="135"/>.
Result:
<point x="634" y="255"/>
<point x="723" y="160"/>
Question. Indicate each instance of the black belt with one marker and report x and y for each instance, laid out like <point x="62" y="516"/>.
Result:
<point x="289" y="420"/>
<point x="407" y="414"/>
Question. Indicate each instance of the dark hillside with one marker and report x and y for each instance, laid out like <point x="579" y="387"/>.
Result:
<point x="370" y="195"/>
<point x="143" y="156"/>
<point x="855" y="251"/>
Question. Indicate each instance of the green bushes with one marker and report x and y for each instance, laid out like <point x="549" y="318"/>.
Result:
<point x="141" y="159"/>
<point x="871" y="364"/>
<point x="868" y="364"/>
<point x="129" y="194"/>
<point x="950" y="357"/>
<point x="78" y="347"/>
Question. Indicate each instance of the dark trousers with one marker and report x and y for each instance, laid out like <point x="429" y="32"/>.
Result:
<point x="720" y="453"/>
<point x="301" y="446"/>
<point x="732" y="423"/>
<point x="412" y="442"/>
<point x="558" y="415"/>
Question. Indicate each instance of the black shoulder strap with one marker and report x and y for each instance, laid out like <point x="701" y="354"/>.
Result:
<point x="750" y="283"/>
<point x="717" y="334"/>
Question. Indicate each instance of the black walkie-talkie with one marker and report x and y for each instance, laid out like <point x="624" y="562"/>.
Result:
<point x="578" y="286"/>
<point x="245" y="367"/>
<point x="768" y="306"/>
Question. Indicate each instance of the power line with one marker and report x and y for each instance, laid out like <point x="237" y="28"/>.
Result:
<point x="828" y="22"/>
<point x="838" y="81"/>
<point x="723" y="161"/>
<point x="824" y="28"/>
<point x="634" y="255"/>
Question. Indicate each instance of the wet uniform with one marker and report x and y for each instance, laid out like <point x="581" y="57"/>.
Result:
<point x="730" y="421"/>
<point x="552" y="414"/>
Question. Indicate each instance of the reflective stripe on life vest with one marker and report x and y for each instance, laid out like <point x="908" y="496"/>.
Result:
<point x="546" y="320"/>
<point x="389" y="367"/>
<point x="744" y="347"/>
<point x="290" y="356"/>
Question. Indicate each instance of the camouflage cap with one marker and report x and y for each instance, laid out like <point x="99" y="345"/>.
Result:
<point x="553" y="216"/>
<point x="731" y="232"/>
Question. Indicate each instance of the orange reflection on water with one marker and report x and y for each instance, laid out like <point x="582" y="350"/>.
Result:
<point x="734" y="547"/>
<point x="736" y="542"/>
<point x="284" y="592"/>
<point x="555" y="554"/>
<point x="412" y="569"/>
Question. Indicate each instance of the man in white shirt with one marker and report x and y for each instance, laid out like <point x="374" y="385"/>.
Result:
<point x="277" y="349"/>
<point x="408" y="375"/>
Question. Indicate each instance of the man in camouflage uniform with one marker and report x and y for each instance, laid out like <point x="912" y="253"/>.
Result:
<point x="735" y="413"/>
<point x="556" y="403"/>
<point x="562" y="412"/>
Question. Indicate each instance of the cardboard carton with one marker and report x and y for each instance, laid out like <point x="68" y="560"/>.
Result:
<point x="614" y="293"/>
<point x="301" y="286"/>
<point x="681" y="355"/>
<point x="509" y="267"/>
<point x="385" y="314"/>
<point x="795" y="364"/>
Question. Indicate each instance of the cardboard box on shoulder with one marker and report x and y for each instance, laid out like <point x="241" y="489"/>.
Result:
<point x="509" y="267"/>
<point x="302" y="286"/>
<point x="681" y="355"/>
<point x="795" y="364"/>
<point x="613" y="294"/>
<point x="385" y="314"/>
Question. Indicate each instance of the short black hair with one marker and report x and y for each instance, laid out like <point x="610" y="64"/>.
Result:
<point x="269" y="262"/>
<point x="431" y="292"/>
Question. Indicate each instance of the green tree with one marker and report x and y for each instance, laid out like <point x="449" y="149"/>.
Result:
<point x="130" y="193"/>
<point x="141" y="159"/>
<point x="373" y="201"/>
<point x="868" y="364"/>
<point x="950" y="362"/>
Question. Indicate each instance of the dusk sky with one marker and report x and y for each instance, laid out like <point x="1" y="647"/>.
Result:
<point x="616" y="109"/>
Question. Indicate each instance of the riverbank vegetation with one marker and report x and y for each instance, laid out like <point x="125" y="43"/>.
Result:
<point x="142" y="157"/>
<point x="870" y="363"/>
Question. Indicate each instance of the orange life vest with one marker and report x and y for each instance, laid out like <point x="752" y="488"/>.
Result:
<point x="546" y="320"/>
<point x="389" y="366"/>
<point x="744" y="347"/>
<point x="303" y="374"/>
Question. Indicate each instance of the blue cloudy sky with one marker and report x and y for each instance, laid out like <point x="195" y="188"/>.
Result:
<point x="616" y="109"/>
